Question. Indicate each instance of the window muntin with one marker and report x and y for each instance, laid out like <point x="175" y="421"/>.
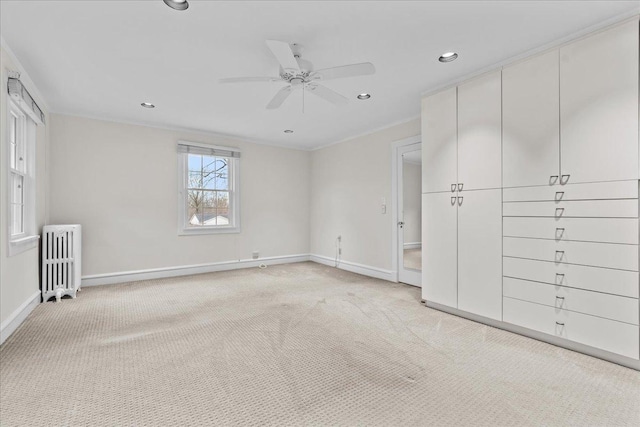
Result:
<point x="18" y="178"/>
<point x="208" y="193"/>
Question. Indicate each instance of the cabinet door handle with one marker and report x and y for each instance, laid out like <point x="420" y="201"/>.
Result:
<point x="559" y="212"/>
<point x="453" y="188"/>
<point x="564" y="179"/>
<point x="460" y="186"/>
<point x="559" y="323"/>
<point x="460" y="201"/>
<point x="453" y="201"/>
<point x="553" y="179"/>
<point x="559" y="195"/>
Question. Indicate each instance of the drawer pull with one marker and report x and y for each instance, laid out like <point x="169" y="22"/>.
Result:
<point x="559" y="297"/>
<point x="559" y="323"/>
<point x="559" y="233"/>
<point x="559" y="255"/>
<point x="559" y="278"/>
<point x="460" y="201"/>
<point x="460" y="186"/>
<point x="453" y="201"/>
<point x="559" y="212"/>
<point x="553" y="179"/>
<point x="559" y="195"/>
<point x="453" y="188"/>
<point x="564" y="179"/>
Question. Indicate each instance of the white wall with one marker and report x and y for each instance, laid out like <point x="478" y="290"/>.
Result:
<point x="19" y="280"/>
<point x="348" y="182"/>
<point x="412" y="195"/>
<point x="120" y="182"/>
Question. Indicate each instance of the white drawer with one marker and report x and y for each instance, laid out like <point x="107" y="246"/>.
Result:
<point x="608" y="230"/>
<point x="609" y="306"/>
<point x="608" y="255"/>
<point x="609" y="335"/>
<point x="618" y="282"/>
<point x="591" y="191"/>
<point x="627" y="208"/>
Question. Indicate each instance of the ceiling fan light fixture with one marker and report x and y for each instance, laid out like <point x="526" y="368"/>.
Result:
<point x="448" y="57"/>
<point x="364" y="96"/>
<point x="147" y="105"/>
<point x="288" y="131"/>
<point x="177" y="4"/>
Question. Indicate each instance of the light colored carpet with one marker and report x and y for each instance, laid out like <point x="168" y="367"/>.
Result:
<point x="299" y="344"/>
<point x="412" y="258"/>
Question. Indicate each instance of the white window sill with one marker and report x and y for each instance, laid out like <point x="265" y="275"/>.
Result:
<point x="207" y="230"/>
<point x="23" y="244"/>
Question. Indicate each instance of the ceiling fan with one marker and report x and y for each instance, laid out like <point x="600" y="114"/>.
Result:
<point x="299" y="74"/>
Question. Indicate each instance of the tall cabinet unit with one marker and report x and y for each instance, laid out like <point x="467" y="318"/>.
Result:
<point x="462" y="217"/>
<point x="546" y="198"/>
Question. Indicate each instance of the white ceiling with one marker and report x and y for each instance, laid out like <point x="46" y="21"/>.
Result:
<point x="103" y="58"/>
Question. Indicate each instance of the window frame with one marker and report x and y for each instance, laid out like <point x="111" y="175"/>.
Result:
<point x="234" y="193"/>
<point x="25" y="145"/>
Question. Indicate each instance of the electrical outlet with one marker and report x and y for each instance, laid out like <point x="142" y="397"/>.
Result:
<point x="256" y="255"/>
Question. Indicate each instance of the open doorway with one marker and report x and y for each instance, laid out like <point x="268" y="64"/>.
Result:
<point x="408" y="210"/>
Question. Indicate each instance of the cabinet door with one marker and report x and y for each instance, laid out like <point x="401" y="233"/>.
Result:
<point x="479" y="133"/>
<point x="480" y="253"/>
<point x="439" y="248"/>
<point x="531" y="121"/>
<point x="439" y="141"/>
<point x="599" y="106"/>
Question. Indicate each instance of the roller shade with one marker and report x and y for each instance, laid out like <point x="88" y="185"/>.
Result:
<point x="23" y="98"/>
<point x="207" y="151"/>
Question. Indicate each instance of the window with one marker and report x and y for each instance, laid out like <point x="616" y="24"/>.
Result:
<point x="21" y="137"/>
<point x="208" y="193"/>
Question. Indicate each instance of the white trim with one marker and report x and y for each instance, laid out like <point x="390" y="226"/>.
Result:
<point x="413" y="245"/>
<point x="365" y="270"/>
<point x="23" y="244"/>
<point x="369" y="132"/>
<point x="395" y="145"/>
<point x="540" y="336"/>
<point x="593" y="29"/>
<point x="186" y="270"/>
<point x="16" y="318"/>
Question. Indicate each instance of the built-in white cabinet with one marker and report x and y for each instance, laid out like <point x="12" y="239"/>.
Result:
<point x="599" y="106"/>
<point x="480" y="252"/>
<point x="531" y="196"/>
<point x="440" y="248"/>
<point x="531" y="121"/>
<point x="439" y="141"/>
<point x="479" y="132"/>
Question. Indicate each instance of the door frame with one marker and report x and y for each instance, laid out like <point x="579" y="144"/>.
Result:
<point x="395" y="148"/>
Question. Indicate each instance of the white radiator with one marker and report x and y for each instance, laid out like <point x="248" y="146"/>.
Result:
<point x="61" y="260"/>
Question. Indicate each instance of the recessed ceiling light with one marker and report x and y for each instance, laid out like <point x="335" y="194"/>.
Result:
<point x="148" y="105"/>
<point x="177" y="4"/>
<point x="364" y="96"/>
<point x="448" y="57"/>
<point x="288" y="131"/>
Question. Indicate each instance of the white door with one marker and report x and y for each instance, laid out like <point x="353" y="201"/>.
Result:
<point x="440" y="246"/>
<point x="480" y="252"/>
<point x="479" y="133"/>
<point x="599" y="106"/>
<point x="439" y="141"/>
<point x="531" y="121"/>
<point x="410" y="214"/>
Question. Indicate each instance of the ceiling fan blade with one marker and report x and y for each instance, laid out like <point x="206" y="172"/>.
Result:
<point x="283" y="53"/>
<point x="352" y="70"/>
<point x="279" y="98"/>
<point x="327" y="94"/>
<point x="249" y="79"/>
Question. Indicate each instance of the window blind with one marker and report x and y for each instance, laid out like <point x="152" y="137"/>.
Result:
<point x="23" y="98"/>
<point x="208" y="151"/>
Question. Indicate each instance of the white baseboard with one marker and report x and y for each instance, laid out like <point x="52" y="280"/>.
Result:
<point x="17" y="317"/>
<point x="186" y="270"/>
<point x="413" y="245"/>
<point x="353" y="267"/>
